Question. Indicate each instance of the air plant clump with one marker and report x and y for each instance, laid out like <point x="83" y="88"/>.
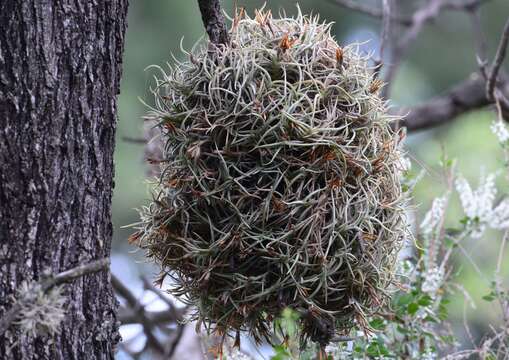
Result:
<point x="280" y="181"/>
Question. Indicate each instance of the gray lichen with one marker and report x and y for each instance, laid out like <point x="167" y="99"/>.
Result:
<point x="41" y="313"/>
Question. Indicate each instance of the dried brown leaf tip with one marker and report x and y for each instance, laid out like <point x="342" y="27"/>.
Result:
<point x="154" y="161"/>
<point x="376" y="85"/>
<point x="278" y="205"/>
<point x="239" y="15"/>
<point x="194" y="151"/>
<point x="169" y="126"/>
<point x="339" y="56"/>
<point x="329" y="156"/>
<point x="286" y="42"/>
<point x="401" y="135"/>
<point x="368" y="236"/>
<point x="262" y="17"/>
<point x="173" y="183"/>
<point x="133" y="238"/>
<point x="159" y="280"/>
<point x="216" y="351"/>
<point x="335" y="183"/>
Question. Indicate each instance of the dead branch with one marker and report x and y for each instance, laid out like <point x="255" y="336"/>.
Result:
<point x="139" y="311"/>
<point x="134" y="140"/>
<point x="372" y="11"/>
<point x="168" y="321"/>
<point x="128" y="315"/>
<point x="177" y="314"/>
<point x="420" y="18"/>
<point x="403" y="20"/>
<point x="474" y="93"/>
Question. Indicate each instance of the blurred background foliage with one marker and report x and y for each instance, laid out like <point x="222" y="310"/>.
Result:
<point x="443" y="55"/>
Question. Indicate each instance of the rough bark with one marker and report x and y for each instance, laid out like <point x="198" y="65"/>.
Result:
<point x="213" y="20"/>
<point x="59" y="77"/>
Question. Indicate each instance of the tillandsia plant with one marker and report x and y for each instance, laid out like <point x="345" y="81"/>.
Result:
<point x="280" y="182"/>
<point x="417" y="324"/>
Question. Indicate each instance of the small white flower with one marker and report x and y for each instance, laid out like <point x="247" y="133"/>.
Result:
<point x="434" y="215"/>
<point x="405" y="268"/>
<point x="232" y="353"/>
<point x="466" y="195"/>
<point x="500" y="215"/>
<point x="500" y="130"/>
<point x="432" y="281"/>
<point x="479" y="204"/>
<point x="429" y="355"/>
<point x="405" y="163"/>
<point x="485" y="196"/>
<point x="332" y="349"/>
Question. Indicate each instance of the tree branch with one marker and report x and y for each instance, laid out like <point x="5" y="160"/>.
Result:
<point x="135" y="313"/>
<point x="371" y="11"/>
<point x="386" y="27"/>
<point x="420" y="18"/>
<point x="213" y="20"/>
<point x="172" y="309"/>
<point x="77" y="272"/>
<point x="425" y="14"/>
<point x="139" y="311"/>
<point x="49" y="283"/>
<point x="403" y="19"/>
<point x="128" y="315"/>
<point x="466" y="96"/>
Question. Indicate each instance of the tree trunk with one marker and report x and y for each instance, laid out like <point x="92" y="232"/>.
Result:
<point x="60" y="66"/>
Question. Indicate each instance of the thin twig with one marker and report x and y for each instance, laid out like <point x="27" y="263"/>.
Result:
<point x="386" y="27"/>
<point x="499" y="281"/>
<point x="126" y="315"/>
<point x="497" y="62"/>
<point x="47" y="284"/>
<point x="133" y="302"/>
<point x="421" y="17"/>
<point x="372" y="11"/>
<point x="177" y="314"/>
<point x="403" y="19"/>
<point x="176" y="341"/>
<point x="480" y="40"/>
<point x="501" y="254"/>
<point x="384" y="36"/>
<point x="75" y="273"/>
<point x="134" y="140"/>
<point x="468" y="5"/>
